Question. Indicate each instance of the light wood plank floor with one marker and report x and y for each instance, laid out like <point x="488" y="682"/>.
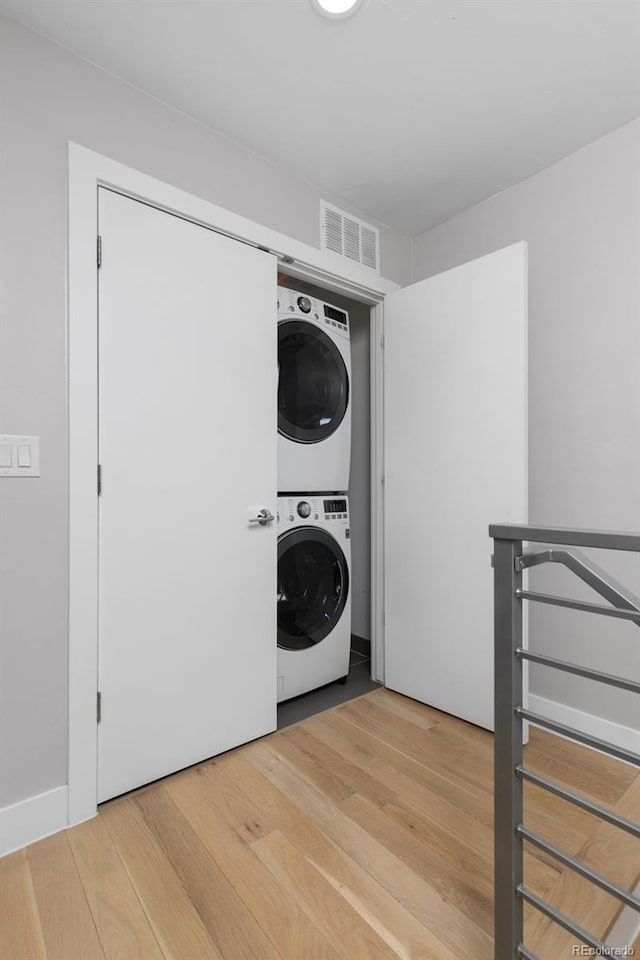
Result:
<point x="362" y="833"/>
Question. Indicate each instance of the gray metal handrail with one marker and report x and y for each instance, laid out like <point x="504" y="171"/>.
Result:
<point x="509" y="561"/>
<point x="588" y="572"/>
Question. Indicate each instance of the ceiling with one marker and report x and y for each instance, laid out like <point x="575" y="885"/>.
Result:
<point x="410" y="111"/>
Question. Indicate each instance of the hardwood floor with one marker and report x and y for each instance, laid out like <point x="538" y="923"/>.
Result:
<point x="364" y="833"/>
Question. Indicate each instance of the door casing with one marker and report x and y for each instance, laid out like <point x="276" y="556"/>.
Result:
<point x="89" y="170"/>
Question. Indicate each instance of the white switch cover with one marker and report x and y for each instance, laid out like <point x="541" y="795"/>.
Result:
<point x="19" y="456"/>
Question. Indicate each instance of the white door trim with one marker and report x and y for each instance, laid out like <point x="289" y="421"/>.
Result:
<point x="377" y="491"/>
<point x="87" y="171"/>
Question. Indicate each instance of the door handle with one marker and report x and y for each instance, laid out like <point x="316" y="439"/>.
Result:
<point x="263" y="518"/>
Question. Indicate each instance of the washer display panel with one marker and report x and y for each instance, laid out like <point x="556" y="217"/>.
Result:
<point x="313" y="383"/>
<point x="313" y="584"/>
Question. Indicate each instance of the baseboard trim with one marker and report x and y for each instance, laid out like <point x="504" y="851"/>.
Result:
<point x="32" y="819"/>
<point x="615" y="733"/>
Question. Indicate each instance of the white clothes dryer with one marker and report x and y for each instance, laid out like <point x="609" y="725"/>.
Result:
<point x="314" y="601"/>
<point x="314" y="412"/>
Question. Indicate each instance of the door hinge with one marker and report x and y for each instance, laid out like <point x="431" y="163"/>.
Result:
<point x="99" y="252"/>
<point x="99" y="479"/>
<point x="382" y="342"/>
<point x="99" y="706"/>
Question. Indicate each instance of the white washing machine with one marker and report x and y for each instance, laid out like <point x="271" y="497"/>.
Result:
<point x="314" y="413"/>
<point x="314" y="601"/>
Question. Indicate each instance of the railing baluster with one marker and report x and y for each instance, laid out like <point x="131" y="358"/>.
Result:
<point x="526" y="954"/>
<point x="508" y="748"/>
<point x="620" y="682"/>
<point x="564" y="921"/>
<point x="585" y="871"/>
<point x="589" y="805"/>
<point x="572" y="734"/>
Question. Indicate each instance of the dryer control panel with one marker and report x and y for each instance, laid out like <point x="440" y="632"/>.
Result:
<point x="292" y="303"/>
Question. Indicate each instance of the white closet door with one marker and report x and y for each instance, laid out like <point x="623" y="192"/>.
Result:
<point x="188" y="436"/>
<point x="455" y="366"/>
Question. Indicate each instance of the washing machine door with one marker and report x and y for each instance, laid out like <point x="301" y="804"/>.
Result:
<point x="313" y="383"/>
<point x="313" y="585"/>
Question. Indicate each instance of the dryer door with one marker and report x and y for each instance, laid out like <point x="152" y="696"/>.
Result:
<point x="313" y="383"/>
<point x="313" y="585"/>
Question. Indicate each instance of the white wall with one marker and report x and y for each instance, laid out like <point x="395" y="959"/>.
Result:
<point x="47" y="97"/>
<point x="581" y="218"/>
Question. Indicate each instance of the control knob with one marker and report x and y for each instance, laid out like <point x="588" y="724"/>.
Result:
<point x="304" y="509"/>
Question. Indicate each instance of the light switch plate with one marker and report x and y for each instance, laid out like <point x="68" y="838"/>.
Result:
<point x="17" y="449"/>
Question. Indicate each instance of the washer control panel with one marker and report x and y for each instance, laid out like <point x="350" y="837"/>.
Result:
<point x="335" y="509"/>
<point x="299" y="509"/>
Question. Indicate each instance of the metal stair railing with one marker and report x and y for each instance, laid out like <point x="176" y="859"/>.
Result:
<point x="509" y="561"/>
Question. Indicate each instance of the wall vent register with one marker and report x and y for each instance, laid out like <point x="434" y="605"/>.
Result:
<point x="349" y="237"/>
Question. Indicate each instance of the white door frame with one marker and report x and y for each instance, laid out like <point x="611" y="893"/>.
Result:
<point x="88" y="171"/>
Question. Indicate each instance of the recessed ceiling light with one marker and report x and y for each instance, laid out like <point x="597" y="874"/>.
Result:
<point x="336" y="9"/>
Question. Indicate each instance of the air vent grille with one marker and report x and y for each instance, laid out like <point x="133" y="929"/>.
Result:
<point x="351" y="238"/>
<point x="333" y="230"/>
<point x="369" y="247"/>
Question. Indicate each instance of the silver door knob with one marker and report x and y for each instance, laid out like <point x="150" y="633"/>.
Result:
<point x="263" y="518"/>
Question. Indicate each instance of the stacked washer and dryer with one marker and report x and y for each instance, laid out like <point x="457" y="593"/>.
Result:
<point x="314" y="453"/>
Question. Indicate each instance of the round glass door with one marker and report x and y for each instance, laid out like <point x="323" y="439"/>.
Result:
<point x="313" y="584"/>
<point x="313" y="383"/>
